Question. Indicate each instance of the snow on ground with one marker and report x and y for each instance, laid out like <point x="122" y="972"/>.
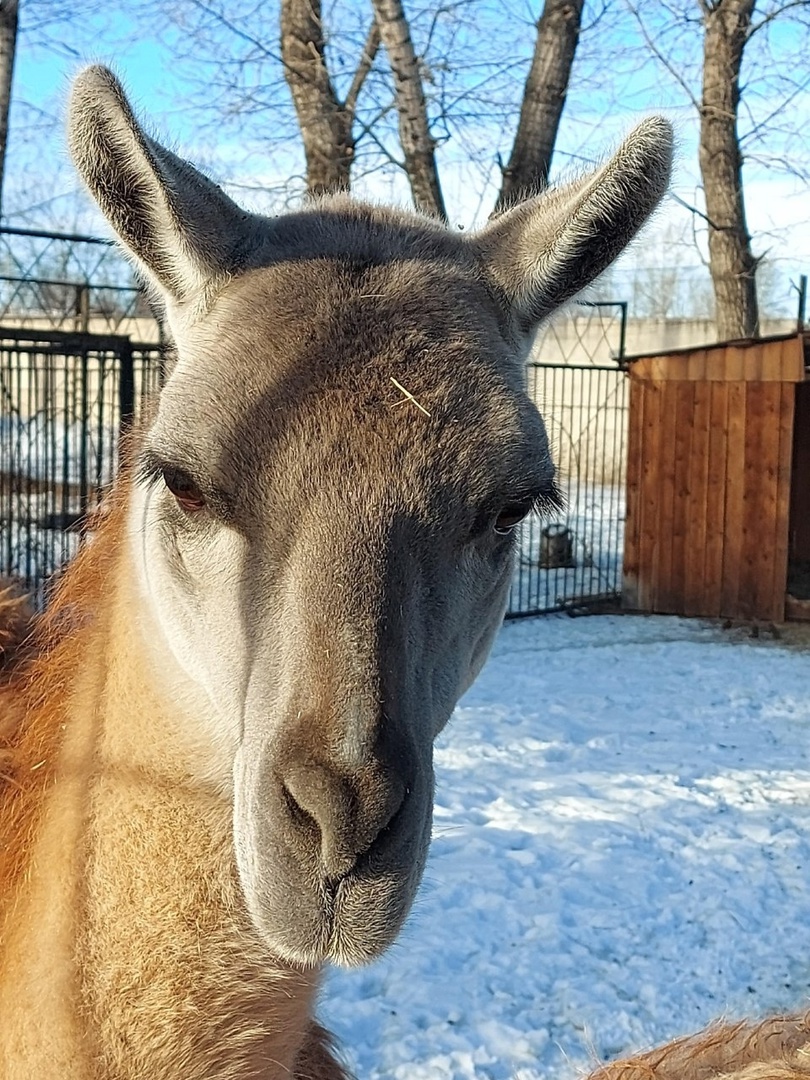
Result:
<point x="621" y="853"/>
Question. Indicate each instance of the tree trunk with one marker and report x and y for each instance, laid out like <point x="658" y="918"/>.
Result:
<point x="414" y="131"/>
<point x="8" y="48"/>
<point x="326" y="125"/>
<point x="731" y="262"/>
<point x="543" y="100"/>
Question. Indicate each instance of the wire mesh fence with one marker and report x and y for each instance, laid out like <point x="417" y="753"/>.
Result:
<point x="71" y="282"/>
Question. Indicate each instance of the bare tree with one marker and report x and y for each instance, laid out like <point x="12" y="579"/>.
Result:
<point x="542" y="102"/>
<point x="544" y="96"/>
<point x="743" y="70"/>
<point x="415" y="136"/>
<point x="9" y="12"/>
<point x="727" y="26"/>
<point x="446" y="76"/>
<point x="326" y="122"/>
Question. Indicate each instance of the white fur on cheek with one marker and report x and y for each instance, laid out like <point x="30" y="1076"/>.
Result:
<point x="196" y="636"/>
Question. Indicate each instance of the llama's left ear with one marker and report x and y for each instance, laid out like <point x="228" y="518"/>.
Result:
<point x="182" y="229"/>
<point x="545" y="250"/>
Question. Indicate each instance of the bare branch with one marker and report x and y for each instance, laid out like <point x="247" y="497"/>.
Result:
<point x="364" y="66"/>
<point x="776" y="14"/>
<point x="767" y="121"/>
<point x="235" y="30"/>
<point x="661" y="56"/>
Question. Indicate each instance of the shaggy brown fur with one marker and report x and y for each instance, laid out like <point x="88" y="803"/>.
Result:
<point x="16" y="615"/>
<point x="775" y="1049"/>
<point x="33" y="699"/>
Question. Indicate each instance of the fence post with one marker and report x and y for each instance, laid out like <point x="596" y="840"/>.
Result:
<point x="83" y="308"/>
<point x="84" y="406"/>
<point x="622" y="330"/>
<point x="802" y="302"/>
<point x="126" y="396"/>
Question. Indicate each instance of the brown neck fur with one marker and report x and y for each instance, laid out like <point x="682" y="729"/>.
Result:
<point x="16" y="616"/>
<point x="775" y="1049"/>
<point x="33" y="700"/>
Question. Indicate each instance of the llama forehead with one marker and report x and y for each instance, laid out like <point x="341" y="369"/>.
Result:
<point x="339" y="299"/>
<point x="390" y="370"/>
<point x="339" y="226"/>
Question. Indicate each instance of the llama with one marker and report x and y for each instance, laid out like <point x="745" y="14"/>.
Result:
<point x="219" y="765"/>
<point x="774" y="1049"/>
<point x="16" y="614"/>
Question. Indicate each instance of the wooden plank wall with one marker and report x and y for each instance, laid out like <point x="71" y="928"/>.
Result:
<point x="708" y="480"/>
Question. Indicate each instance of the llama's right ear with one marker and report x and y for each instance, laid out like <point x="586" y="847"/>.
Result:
<point x="547" y="249"/>
<point x="181" y="228"/>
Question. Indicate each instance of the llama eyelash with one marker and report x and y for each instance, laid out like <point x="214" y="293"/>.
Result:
<point x="551" y="501"/>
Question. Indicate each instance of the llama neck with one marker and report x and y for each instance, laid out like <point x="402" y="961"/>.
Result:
<point x="38" y="988"/>
<point x="130" y="953"/>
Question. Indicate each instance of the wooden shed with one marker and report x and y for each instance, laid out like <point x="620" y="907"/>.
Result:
<point x="718" y="481"/>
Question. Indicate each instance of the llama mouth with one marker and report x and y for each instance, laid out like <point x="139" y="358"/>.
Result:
<point x="348" y="922"/>
<point x="367" y="915"/>
<point x="369" y="904"/>
<point x="375" y="857"/>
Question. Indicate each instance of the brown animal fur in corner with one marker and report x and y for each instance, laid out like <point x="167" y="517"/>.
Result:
<point x="16" y="617"/>
<point x="775" y="1049"/>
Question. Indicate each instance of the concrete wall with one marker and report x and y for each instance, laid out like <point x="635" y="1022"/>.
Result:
<point x="592" y="336"/>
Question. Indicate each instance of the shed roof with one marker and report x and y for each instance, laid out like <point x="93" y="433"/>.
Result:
<point x="782" y="358"/>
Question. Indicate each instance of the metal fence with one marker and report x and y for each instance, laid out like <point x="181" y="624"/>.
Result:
<point x="65" y="401"/>
<point x="71" y="282"/>
<point x="80" y="352"/>
<point x="573" y="561"/>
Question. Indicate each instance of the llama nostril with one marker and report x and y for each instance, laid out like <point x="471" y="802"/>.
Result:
<point x="393" y="818"/>
<point x="338" y="818"/>
<point x="298" y="815"/>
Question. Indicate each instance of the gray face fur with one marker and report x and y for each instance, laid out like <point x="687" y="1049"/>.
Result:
<point x="321" y="614"/>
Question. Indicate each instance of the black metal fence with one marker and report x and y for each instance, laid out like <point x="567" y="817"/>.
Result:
<point x="72" y="377"/>
<point x="65" y="400"/>
<point x="573" y="561"/>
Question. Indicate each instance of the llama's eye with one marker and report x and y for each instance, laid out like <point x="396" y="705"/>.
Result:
<point x="511" y="516"/>
<point x="188" y="495"/>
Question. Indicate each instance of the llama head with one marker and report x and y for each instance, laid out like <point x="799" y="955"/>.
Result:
<point x="324" y="510"/>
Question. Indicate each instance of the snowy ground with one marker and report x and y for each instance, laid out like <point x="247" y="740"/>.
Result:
<point x="621" y="853"/>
